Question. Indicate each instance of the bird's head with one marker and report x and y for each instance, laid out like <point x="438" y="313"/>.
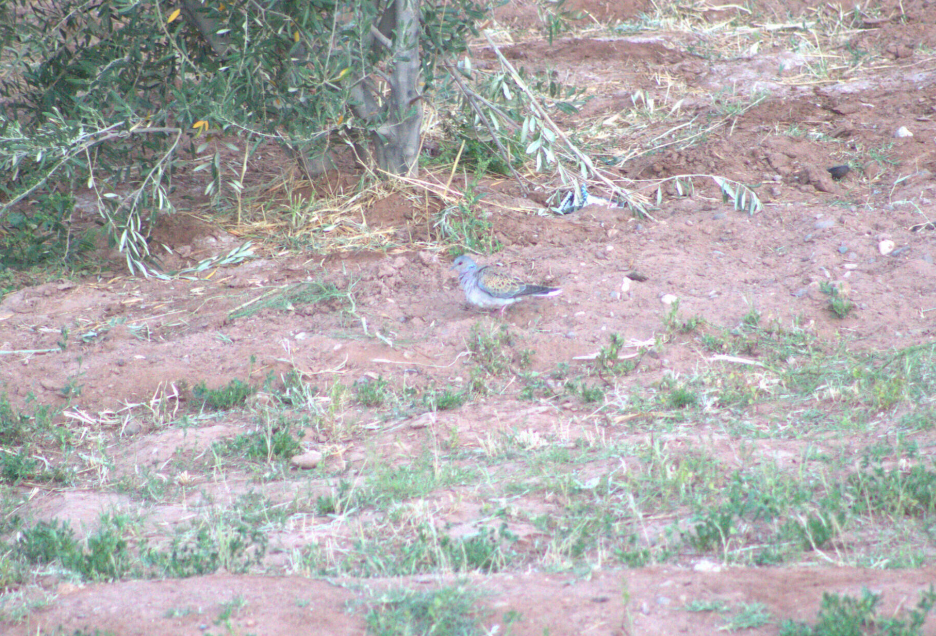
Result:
<point x="463" y="263"/>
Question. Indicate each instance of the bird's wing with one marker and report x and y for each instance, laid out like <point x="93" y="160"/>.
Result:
<point x="498" y="284"/>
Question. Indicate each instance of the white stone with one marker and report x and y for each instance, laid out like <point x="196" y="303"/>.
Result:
<point x="707" y="566"/>
<point x="903" y="132"/>
<point x="307" y="460"/>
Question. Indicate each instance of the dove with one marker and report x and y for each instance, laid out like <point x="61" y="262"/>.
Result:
<point x="488" y="288"/>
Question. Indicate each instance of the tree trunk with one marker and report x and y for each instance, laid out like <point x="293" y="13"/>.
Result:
<point x="396" y="140"/>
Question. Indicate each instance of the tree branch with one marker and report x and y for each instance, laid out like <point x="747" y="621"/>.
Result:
<point x="470" y="96"/>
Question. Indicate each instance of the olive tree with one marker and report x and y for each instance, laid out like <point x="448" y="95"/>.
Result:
<point x="105" y="93"/>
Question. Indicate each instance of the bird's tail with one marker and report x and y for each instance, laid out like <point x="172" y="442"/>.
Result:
<point x="539" y="290"/>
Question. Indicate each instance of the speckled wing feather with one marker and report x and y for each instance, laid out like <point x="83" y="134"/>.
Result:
<point x="497" y="283"/>
<point x="500" y="285"/>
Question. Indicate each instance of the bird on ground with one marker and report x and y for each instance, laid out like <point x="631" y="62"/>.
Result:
<point x="487" y="288"/>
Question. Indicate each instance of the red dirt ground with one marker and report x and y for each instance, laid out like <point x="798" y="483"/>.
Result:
<point x="142" y="335"/>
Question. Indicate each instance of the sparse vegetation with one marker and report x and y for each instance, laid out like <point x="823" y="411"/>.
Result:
<point x="838" y="304"/>
<point x="599" y="430"/>
<point x="449" y="611"/>
<point x="848" y="615"/>
<point x="227" y="397"/>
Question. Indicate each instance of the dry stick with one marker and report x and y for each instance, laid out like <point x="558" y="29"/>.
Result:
<point x="28" y="351"/>
<point x="470" y="96"/>
<point x="542" y="112"/>
<point x="455" y="166"/>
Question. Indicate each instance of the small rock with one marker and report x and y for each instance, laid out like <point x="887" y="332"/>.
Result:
<point x="824" y="224"/>
<point x="625" y="285"/>
<point x="663" y="600"/>
<point x="886" y="246"/>
<point x="423" y="420"/>
<point x="427" y="258"/>
<point x="132" y="428"/>
<point x="843" y="249"/>
<point x="668" y="299"/>
<point x="385" y="270"/>
<point x="850" y="266"/>
<point x="838" y="172"/>
<point x="902" y="132"/>
<point x="307" y="460"/>
<point x="707" y="566"/>
<point x="366" y="378"/>
<point x="66" y="588"/>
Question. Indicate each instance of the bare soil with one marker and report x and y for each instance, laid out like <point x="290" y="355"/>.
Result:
<point x="136" y="342"/>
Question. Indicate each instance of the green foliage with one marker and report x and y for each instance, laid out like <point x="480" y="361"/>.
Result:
<point x="426" y="550"/>
<point x="838" y="304"/>
<point x="556" y="18"/>
<point x="816" y="530"/>
<point x="712" y="530"/>
<point x="19" y="435"/>
<point x="850" y="616"/>
<point x="491" y="347"/>
<point x="107" y="105"/>
<point x="275" y="440"/>
<point x="673" y="323"/>
<point x="466" y="226"/>
<point x="16" y="467"/>
<point x="294" y="391"/>
<point x="298" y="295"/>
<point x="895" y="492"/>
<point x="210" y="545"/>
<point x="47" y="542"/>
<point x="591" y="394"/>
<point x="14" y="425"/>
<point x="445" y="612"/>
<point x="103" y="557"/>
<point x="371" y="392"/>
<point x="633" y="556"/>
<point x="386" y="485"/>
<point x="607" y="360"/>
<point x="234" y="394"/>
<point x="41" y="236"/>
<point x="480" y="157"/>
<point x="444" y="400"/>
<point x="681" y="397"/>
<point x="751" y="319"/>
